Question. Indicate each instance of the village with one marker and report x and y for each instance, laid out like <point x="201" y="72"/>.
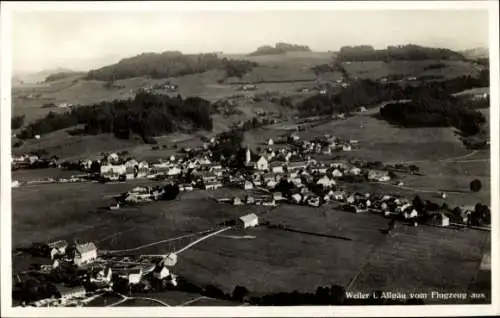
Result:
<point x="283" y="172"/>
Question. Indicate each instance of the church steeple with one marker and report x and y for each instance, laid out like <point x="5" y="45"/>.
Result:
<point x="248" y="157"/>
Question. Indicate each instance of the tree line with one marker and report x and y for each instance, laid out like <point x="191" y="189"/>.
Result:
<point x="408" y="52"/>
<point x="279" y="48"/>
<point x="169" y="64"/>
<point x="147" y="115"/>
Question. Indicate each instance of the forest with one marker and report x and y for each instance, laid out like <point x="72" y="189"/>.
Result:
<point x="408" y="52"/>
<point x="279" y="48"/>
<point x="147" y="115"/>
<point x="366" y="92"/>
<point x="169" y="64"/>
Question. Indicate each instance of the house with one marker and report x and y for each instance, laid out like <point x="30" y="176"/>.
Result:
<point x="103" y="275"/>
<point x="170" y="260"/>
<point x="237" y="201"/>
<point x="57" y="248"/>
<point x="313" y="201"/>
<point x="346" y="148"/>
<point x="249" y="220"/>
<point x="84" y="253"/>
<point x="362" y="109"/>
<point x="112" y="172"/>
<point x="206" y="176"/>
<point x="326" y="182"/>
<point x="262" y="164"/>
<point x="297" y="198"/>
<point x="249" y="199"/>
<point x="277" y="196"/>
<point x="70" y="292"/>
<point x="247" y="185"/>
<point x="441" y="220"/>
<point x="270" y="142"/>
<point x="336" y="173"/>
<point x="296" y="165"/>
<point x="173" y="171"/>
<point x="131" y="167"/>
<point x="354" y="171"/>
<point x="160" y="272"/>
<point x="113" y="158"/>
<point x="133" y="275"/>
<point x="376" y="175"/>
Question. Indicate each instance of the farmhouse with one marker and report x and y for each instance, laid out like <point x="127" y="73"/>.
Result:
<point x="84" y="253"/>
<point x="441" y="220"/>
<point x="249" y="220"/>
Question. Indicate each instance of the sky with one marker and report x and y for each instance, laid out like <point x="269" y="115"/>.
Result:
<point x="82" y="40"/>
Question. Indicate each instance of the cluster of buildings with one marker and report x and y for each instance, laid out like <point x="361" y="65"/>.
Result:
<point x="95" y="273"/>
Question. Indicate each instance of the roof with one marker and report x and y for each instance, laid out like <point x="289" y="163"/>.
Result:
<point x="249" y="217"/>
<point x="297" y="164"/>
<point x="85" y="247"/>
<point x="277" y="164"/>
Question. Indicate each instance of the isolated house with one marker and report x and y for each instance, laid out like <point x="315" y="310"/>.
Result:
<point x="249" y="220"/>
<point x="270" y="142"/>
<point x="237" y="201"/>
<point x="377" y="175"/>
<point x="84" y="253"/>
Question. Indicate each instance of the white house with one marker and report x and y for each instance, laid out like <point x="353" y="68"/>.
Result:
<point x="247" y="185"/>
<point x="377" y="175"/>
<point x="161" y="272"/>
<point x="326" y="182"/>
<point x="270" y="142"/>
<point x="85" y="253"/>
<point x="249" y="220"/>
<point x="262" y="164"/>
<point x="237" y="201"/>
<point x="362" y="109"/>
<point x="297" y="198"/>
<point x="354" y="171"/>
<point x="134" y="276"/>
<point x="441" y="220"/>
<point x="336" y="173"/>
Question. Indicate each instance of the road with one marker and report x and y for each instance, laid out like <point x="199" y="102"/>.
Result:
<point x="126" y="298"/>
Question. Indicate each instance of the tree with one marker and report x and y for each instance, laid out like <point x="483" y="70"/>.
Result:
<point x="239" y="293"/>
<point x="475" y="185"/>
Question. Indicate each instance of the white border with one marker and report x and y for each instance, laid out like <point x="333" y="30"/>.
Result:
<point x="355" y="311"/>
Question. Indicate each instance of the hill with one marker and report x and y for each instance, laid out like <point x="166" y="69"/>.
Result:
<point x="476" y="53"/>
<point x="168" y="64"/>
<point x="408" y="52"/>
<point x="36" y="77"/>
<point x="279" y="48"/>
